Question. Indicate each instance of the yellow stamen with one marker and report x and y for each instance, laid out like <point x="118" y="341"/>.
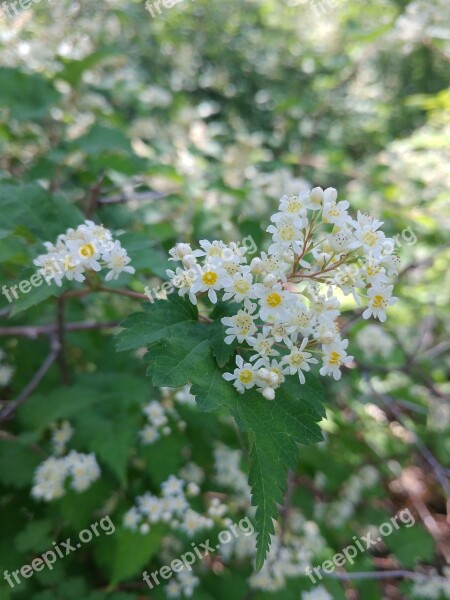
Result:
<point x="334" y="358"/>
<point x="209" y="278"/>
<point x="274" y="299"/>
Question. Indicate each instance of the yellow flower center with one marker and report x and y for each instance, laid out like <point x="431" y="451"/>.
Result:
<point x="287" y="233"/>
<point x="370" y="238"/>
<point x="246" y="376"/>
<point x="242" y="286"/>
<point x="209" y="278"/>
<point x="297" y="359"/>
<point x="87" y="251"/>
<point x="378" y="301"/>
<point x="274" y="299"/>
<point x="334" y="358"/>
<point x="294" y="205"/>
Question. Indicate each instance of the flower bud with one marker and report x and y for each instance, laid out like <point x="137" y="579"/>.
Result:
<point x="270" y="280"/>
<point x="257" y="266"/>
<point x="269" y="393"/>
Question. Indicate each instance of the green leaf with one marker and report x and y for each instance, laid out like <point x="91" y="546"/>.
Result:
<point x="182" y="353"/>
<point x="35" y="210"/>
<point x="222" y="352"/>
<point x="35" y="294"/>
<point x="103" y="139"/>
<point x="36" y="536"/>
<point x="162" y="319"/>
<point x="17" y="464"/>
<point x="125" y="554"/>
<point x="189" y="360"/>
<point x="275" y="428"/>
<point x="27" y="95"/>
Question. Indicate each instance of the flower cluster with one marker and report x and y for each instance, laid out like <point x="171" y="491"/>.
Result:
<point x="341" y="510"/>
<point x="51" y="475"/>
<point x="171" y="507"/>
<point x="290" y="297"/>
<point x="163" y="416"/>
<point x="61" y="434"/>
<point x="89" y="247"/>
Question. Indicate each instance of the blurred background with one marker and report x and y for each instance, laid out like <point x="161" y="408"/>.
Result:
<point x="178" y="122"/>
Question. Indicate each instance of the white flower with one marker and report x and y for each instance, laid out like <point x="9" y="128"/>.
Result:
<point x="333" y="212"/>
<point x="262" y="344"/>
<point x="132" y="518"/>
<point x="241" y="288"/>
<point x="149" y="435"/>
<point x="379" y="299"/>
<point x="240" y="326"/>
<point x="369" y="240"/>
<point x="334" y="357"/>
<point x="243" y="376"/>
<point x="60" y="436"/>
<point x="298" y="360"/>
<point x="49" y="479"/>
<point x="213" y="251"/>
<point x="173" y="486"/>
<point x="211" y="278"/>
<point x="150" y="506"/>
<point x="84" y="470"/>
<point x="118" y="262"/>
<point x="318" y="593"/>
<point x="285" y="234"/>
<point x="6" y="374"/>
<point x="280" y="332"/>
<point x="181" y="251"/>
<point x="274" y="302"/>
<point x="295" y="207"/>
<point x="183" y="280"/>
<point x="84" y="252"/>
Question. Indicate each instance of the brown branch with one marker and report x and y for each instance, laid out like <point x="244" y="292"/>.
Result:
<point x="121" y="292"/>
<point x="8" y="411"/>
<point x="34" y="331"/>
<point x="60" y="324"/>
<point x="429" y="457"/>
<point x="93" y="196"/>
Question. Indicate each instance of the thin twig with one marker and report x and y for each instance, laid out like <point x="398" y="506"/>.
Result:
<point x="7" y="412"/>
<point x="438" y="470"/>
<point x="121" y="292"/>
<point x="94" y="195"/>
<point x="60" y="321"/>
<point x="394" y="574"/>
<point x="34" y="331"/>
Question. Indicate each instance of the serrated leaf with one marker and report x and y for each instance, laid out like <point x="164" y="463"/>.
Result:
<point x="275" y="430"/>
<point x="221" y="351"/>
<point x="189" y="360"/>
<point x="159" y="320"/>
<point x="125" y="554"/>
<point x="182" y="353"/>
<point x="35" y="537"/>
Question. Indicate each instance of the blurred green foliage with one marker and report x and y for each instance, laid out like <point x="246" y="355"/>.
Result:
<point x="191" y="125"/>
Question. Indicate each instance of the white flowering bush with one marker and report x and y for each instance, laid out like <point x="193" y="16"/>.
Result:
<point x="282" y="311"/>
<point x="159" y="217"/>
